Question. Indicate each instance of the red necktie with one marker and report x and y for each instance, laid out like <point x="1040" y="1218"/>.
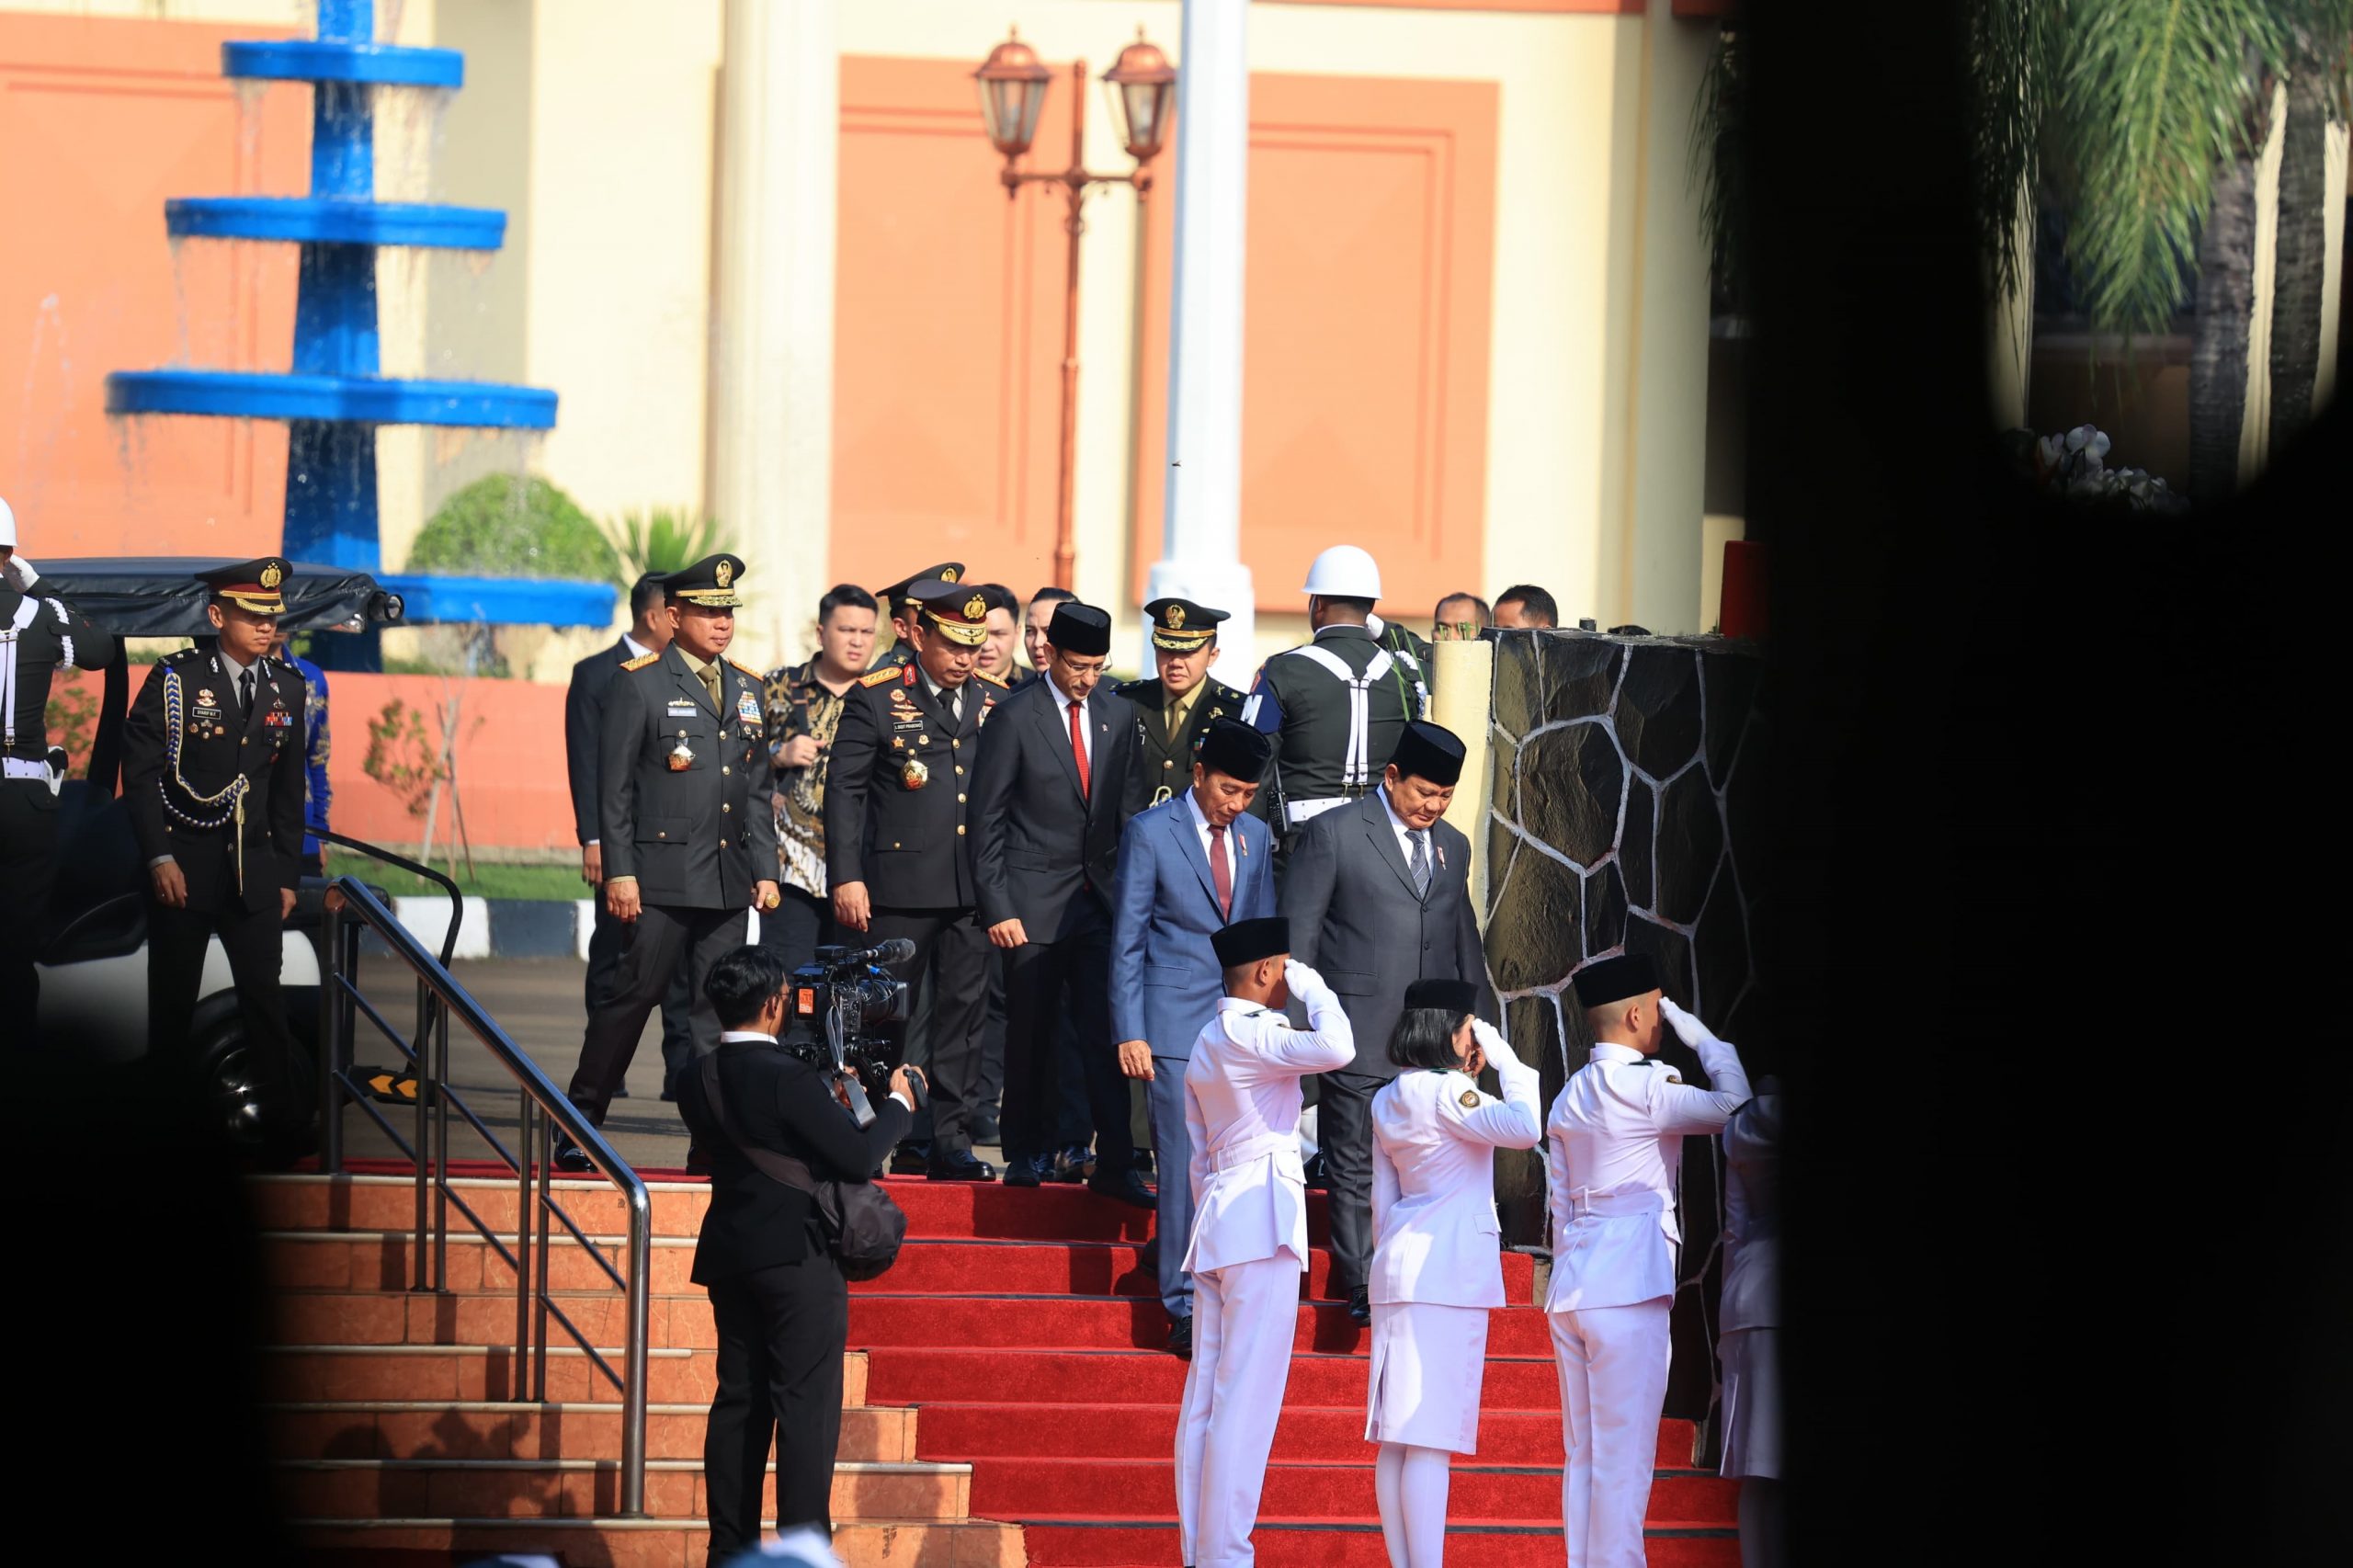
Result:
<point x="1219" y="872"/>
<point x="1078" y="744"/>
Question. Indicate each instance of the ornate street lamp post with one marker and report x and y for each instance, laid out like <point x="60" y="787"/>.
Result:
<point x="1013" y="92"/>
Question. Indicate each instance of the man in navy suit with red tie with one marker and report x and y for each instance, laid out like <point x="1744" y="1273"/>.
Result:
<point x="1187" y="866"/>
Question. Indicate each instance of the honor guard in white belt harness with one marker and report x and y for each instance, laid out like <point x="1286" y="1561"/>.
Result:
<point x="1613" y="1151"/>
<point x="1333" y="707"/>
<point x="39" y="634"/>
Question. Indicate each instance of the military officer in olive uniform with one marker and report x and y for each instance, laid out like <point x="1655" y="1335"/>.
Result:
<point x="899" y="602"/>
<point x="687" y="813"/>
<point x="1333" y="707"/>
<point x="212" y="761"/>
<point x="39" y="634"/>
<point x="1177" y="707"/>
<point x="897" y="845"/>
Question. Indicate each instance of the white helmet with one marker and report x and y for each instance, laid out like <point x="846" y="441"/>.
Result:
<point x="7" y="524"/>
<point x="1344" y="571"/>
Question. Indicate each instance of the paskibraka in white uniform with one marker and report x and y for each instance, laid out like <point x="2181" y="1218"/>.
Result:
<point x="1438" y="1249"/>
<point x="1615" y="1134"/>
<point x="1249" y="1247"/>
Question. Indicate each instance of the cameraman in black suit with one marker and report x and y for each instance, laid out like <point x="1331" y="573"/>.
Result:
<point x="583" y="709"/>
<point x="777" y="1293"/>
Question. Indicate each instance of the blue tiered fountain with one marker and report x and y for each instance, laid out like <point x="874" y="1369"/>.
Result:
<point x="332" y="399"/>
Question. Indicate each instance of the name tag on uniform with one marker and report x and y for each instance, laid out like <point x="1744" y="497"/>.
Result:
<point x="682" y="710"/>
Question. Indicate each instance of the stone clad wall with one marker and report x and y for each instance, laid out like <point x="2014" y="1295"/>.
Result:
<point x="1619" y="820"/>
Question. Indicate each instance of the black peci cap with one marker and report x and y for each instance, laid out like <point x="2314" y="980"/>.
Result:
<point x="1604" y="981"/>
<point x="709" y="582"/>
<point x="251" y="585"/>
<point x="1234" y="749"/>
<point x="1080" y="629"/>
<point x="1455" y="997"/>
<point x="1247" y="941"/>
<point x="1180" y="625"/>
<point x="1426" y="750"/>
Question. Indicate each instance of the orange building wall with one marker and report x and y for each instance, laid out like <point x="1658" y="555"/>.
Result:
<point x="510" y="761"/>
<point x="101" y="120"/>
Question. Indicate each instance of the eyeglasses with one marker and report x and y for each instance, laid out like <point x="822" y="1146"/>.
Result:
<point x="1455" y="632"/>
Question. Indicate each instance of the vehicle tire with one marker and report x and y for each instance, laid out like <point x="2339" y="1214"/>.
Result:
<point x="228" y="1081"/>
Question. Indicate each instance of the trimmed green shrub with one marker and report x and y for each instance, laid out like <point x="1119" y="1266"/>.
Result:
<point x="503" y="525"/>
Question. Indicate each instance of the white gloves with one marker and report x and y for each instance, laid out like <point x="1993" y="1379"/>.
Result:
<point x="1687" y="1027"/>
<point x="1304" y="982"/>
<point x="21" y="573"/>
<point x="1491" y="1040"/>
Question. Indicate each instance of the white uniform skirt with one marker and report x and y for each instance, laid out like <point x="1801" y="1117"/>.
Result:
<point x="1427" y="1364"/>
<point x="1752" y="1401"/>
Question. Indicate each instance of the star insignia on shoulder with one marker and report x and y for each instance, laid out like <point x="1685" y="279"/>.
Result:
<point x="641" y="661"/>
<point x="882" y="677"/>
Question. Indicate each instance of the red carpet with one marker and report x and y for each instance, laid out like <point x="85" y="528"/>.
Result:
<point x="1026" y="1326"/>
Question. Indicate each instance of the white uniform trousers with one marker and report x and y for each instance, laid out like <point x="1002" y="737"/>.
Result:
<point x="1613" y="1364"/>
<point x="1244" y="1317"/>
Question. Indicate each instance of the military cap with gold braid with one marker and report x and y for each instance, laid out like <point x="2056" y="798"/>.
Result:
<point x="959" y="612"/>
<point x="709" y="582"/>
<point x="1180" y="625"/>
<point x="251" y="585"/>
<point x="900" y="595"/>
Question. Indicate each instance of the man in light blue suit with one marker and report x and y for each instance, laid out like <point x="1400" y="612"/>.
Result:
<point x="1187" y="866"/>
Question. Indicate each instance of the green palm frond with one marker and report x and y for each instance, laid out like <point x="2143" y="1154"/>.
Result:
<point x="664" y="539"/>
<point x="2153" y="96"/>
<point x="2010" y="47"/>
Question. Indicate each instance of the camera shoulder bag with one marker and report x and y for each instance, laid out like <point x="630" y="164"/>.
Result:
<point x="862" y="1225"/>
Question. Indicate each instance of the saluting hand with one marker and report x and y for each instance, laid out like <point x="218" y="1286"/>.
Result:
<point x="1135" y="1059"/>
<point x="1492" y="1045"/>
<point x="171" y="885"/>
<point x="1687" y="1027"/>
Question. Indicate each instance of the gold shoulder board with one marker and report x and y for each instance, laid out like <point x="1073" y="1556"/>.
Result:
<point x="992" y="680"/>
<point x="882" y="677"/>
<point x="641" y="661"/>
<point x="748" y="670"/>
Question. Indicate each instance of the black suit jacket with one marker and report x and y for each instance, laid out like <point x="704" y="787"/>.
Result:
<point x="1042" y="853"/>
<point x="217" y="744"/>
<point x="900" y="828"/>
<point x="583" y="709"/>
<point x="1356" y="920"/>
<point x="696" y="836"/>
<point x="778" y="1102"/>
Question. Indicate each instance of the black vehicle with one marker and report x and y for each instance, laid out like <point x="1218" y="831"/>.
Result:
<point x="94" y="965"/>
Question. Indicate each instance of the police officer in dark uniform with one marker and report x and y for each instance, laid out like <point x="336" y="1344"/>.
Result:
<point x="39" y="633"/>
<point x="897" y="845"/>
<point x="687" y="818"/>
<point x="212" y="760"/>
<point x="899" y="601"/>
<point x="1333" y="707"/>
<point x="1174" y="709"/>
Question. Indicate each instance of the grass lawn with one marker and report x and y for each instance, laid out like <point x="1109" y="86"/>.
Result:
<point x="557" y="882"/>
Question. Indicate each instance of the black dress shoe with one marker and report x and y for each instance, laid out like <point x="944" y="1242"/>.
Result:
<point x="1180" y="1338"/>
<point x="571" y="1156"/>
<point x="620" y="1092"/>
<point x="1360" y="1306"/>
<point x="960" y="1166"/>
<point x="1073" y="1164"/>
<point x="911" y="1159"/>
<point x="1125" y="1187"/>
<point x="1026" y="1170"/>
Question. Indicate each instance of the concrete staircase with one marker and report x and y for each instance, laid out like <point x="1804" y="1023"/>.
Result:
<point x="402" y="1437"/>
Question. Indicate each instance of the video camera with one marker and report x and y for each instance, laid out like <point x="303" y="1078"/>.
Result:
<point x="838" y="1002"/>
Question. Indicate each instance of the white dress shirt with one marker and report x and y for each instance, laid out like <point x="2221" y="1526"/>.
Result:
<point x="1405" y="835"/>
<point x="1208" y="846"/>
<point x="1614" y="1149"/>
<point x="1242" y="1105"/>
<point x="947" y="697"/>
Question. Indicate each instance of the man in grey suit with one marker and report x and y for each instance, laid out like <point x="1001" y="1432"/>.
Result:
<point x="1378" y="893"/>
<point x="1187" y="866"/>
<point x="687" y="813"/>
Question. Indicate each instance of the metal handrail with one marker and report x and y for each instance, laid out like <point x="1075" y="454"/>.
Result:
<point x="352" y="908"/>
